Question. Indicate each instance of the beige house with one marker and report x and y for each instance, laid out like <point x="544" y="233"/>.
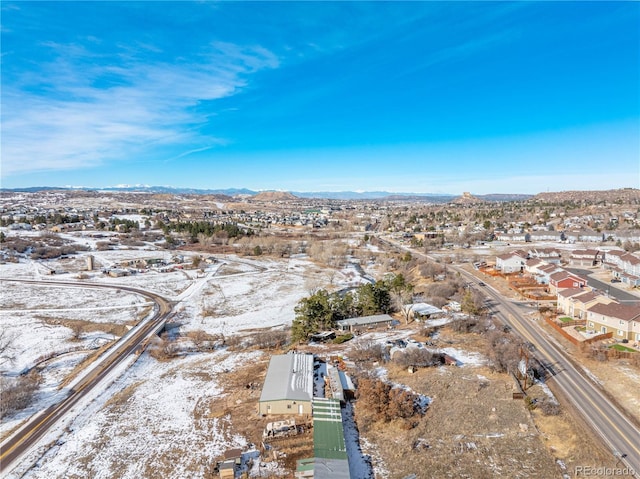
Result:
<point x="288" y="386"/>
<point x="622" y="320"/>
<point x="574" y="302"/>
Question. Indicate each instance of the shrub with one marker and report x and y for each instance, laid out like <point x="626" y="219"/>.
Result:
<point x="343" y="338"/>
<point x="417" y="357"/>
<point x="18" y="393"/>
<point x="549" y="407"/>
<point x="367" y="351"/>
<point x="379" y="401"/>
<point x="270" y="339"/>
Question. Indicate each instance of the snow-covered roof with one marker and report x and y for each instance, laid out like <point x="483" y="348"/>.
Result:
<point x="378" y="318"/>
<point x="422" y="309"/>
<point x="289" y="377"/>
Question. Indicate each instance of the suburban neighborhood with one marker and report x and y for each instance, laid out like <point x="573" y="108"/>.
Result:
<point x="316" y="338"/>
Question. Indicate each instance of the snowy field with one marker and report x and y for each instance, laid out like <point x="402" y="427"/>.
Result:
<point x="154" y="419"/>
<point x="37" y="318"/>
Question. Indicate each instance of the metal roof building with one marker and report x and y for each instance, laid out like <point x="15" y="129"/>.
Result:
<point x="330" y="452"/>
<point x="364" y="322"/>
<point x="421" y="309"/>
<point x="288" y="386"/>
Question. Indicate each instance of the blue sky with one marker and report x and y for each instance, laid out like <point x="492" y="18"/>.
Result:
<point x="427" y="97"/>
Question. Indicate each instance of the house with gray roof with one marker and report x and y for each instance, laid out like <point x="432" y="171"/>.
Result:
<point x="365" y="322"/>
<point x="288" y="386"/>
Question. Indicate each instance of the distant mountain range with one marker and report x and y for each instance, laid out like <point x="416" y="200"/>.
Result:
<point x="334" y="195"/>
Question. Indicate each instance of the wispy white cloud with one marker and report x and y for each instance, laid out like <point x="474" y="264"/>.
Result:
<point x="84" y="108"/>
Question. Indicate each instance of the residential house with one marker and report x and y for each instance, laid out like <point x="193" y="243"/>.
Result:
<point x="511" y="236"/>
<point x="564" y="279"/>
<point x="420" y="311"/>
<point x="613" y="259"/>
<point x="511" y="262"/>
<point x="585" y="236"/>
<point x="543" y="235"/>
<point x="574" y="302"/>
<point x="622" y="320"/>
<point x="624" y="266"/>
<point x="545" y="271"/>
<point x="550" y="255"/>
<point x="630" y="270"/>
<point x="531" y="265"/>
<point x="632" y="236"/>
<point x="585" y="257"/>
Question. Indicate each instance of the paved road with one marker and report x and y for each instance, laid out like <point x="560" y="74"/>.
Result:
<point x="618" y="294"/>
<point x="616" y="430"/>
<point x="13" y="447"/>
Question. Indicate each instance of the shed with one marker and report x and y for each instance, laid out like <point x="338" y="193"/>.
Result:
<point x="227" y="469"/>
<point x="334" y="383"/>
<point x="323" y="336"/>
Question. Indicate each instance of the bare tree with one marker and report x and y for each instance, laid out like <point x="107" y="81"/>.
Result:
<point x="17" y="393"/>
<point x="77" y="328"/>
<point x="201" y="340"/>
<point x="204" y="240"/>
<point x="7" y="346"/>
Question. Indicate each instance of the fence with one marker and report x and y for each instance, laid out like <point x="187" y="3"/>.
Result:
<point x="572" y="339"/>
<point x="575" y="322"/>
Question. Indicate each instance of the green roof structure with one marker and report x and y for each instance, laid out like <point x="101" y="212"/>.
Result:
<point x="328" y="435"/>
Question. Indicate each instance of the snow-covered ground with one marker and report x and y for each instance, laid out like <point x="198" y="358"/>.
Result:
<point x="465" y="358"/>
<point x="36" y="318"/>
<point x="155" y="418"/>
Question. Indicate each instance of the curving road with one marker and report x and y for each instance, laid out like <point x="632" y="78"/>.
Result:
<point x="18" y="443"/>
<point x="619" y="433"/>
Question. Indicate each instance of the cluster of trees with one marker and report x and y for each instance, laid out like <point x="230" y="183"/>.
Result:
<point x="46" y="246"/>
<point x="321" y="310"/>
<point x="49" y="219"/>
<point x="418" y="358"/>
<point x="48" y="252"/>
<point x="128" y="224"/>
<point x="198" y="229"/>
<point x="503" y="349"/>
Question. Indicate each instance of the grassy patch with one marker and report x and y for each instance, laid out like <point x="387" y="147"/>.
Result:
<point x="565" y="319"/>
<point x="620" y="347"/>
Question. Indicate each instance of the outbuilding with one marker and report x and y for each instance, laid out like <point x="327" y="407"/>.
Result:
<point x="365" y="322"/>
<point x="288" y="386"/>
